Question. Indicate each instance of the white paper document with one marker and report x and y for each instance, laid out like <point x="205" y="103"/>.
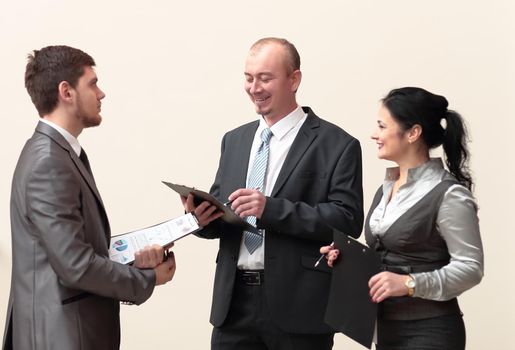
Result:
<point x="122" y="247"/>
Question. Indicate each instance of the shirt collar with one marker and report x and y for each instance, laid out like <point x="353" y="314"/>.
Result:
<point x="285" y="125"/>
<point x="72" y="140"/>
<point x="426" y="170"/>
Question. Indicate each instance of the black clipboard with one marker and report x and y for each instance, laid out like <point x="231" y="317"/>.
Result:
<point x="229" y="215"/>
<point x="350" y="309"/>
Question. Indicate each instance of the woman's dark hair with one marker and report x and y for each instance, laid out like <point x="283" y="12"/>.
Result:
<point x="410" y="106"/>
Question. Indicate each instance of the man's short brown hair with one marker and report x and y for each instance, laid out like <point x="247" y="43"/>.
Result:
<point x="47" y="68"/>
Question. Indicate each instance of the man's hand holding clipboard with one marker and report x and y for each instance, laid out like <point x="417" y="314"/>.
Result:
<point x="218" y="210"/>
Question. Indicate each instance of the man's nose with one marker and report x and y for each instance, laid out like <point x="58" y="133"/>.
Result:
<point x="255" y="87"/>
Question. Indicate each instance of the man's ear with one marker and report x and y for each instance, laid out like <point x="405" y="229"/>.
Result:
<point x="296" y="77"/>
<point x="65" y="91"/>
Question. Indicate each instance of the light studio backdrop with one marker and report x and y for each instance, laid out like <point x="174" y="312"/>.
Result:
<point x="173" y="75"/>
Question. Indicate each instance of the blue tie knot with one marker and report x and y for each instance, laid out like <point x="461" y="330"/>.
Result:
<point x="266" y="134"/>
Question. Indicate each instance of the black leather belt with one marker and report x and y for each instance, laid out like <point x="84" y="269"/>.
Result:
<point x="250" y="277"/>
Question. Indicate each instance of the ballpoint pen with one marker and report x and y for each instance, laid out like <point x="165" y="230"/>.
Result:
<point x="323" y="256"/>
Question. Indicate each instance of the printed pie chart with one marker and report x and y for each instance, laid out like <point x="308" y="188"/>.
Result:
<point x="120" y="245"/>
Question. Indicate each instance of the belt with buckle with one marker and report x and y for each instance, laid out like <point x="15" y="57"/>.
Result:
<point x="250" y="277"/>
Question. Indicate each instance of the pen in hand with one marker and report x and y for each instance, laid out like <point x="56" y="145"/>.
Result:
<point x="323" y="256"/>
<point x="229" y="203"/>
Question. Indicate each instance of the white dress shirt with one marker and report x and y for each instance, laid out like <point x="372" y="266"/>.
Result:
<point x="283" y="135"/>
<point x="72" y="140"/>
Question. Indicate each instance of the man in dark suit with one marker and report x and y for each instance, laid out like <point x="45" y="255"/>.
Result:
<point x="297" y="177"/>
<point x="65" y="291"/>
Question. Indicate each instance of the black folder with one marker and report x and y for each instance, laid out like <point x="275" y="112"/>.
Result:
<point x="229" y="216"/>
<point x="350" y="309"/>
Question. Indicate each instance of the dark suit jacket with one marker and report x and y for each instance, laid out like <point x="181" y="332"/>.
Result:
<point x="319" y="188"/>
<point x="64" y="288"/>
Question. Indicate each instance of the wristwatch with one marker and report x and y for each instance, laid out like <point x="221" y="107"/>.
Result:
<point x="411" y="284"/>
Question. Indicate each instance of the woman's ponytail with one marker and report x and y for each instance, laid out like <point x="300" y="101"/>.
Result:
<point x="455" y="148"/>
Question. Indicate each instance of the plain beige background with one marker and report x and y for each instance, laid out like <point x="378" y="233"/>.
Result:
<point x="172" y="72"/>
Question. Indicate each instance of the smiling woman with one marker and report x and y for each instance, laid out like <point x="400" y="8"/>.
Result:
<point x="423" y="223"/>
<point x="390" y="138"/>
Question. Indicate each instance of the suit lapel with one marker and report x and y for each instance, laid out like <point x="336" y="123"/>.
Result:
<point x="307" y="134"/>
<point x="60" y="140"/>
<point x="91" y="184"/>
<point x="87" y="176"/>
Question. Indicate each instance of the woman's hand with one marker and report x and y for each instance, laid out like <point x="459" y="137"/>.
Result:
<point x="387" y="284"/>
<point x="331" y="254"/>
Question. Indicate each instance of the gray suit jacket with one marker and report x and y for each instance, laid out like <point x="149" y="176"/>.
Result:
<point x="65" y="291"/>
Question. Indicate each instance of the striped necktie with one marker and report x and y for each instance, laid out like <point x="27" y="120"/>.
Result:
<point x="257" y="181"/>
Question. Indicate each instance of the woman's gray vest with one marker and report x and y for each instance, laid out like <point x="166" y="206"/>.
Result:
<point x="412" y="244"/>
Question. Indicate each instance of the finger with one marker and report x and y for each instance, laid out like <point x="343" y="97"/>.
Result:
<point x="209" y="215"/>
<point x="240" y="192"/>
<point x="333" y="254"/>
<point x="202" y="207"/>
<point x="332" y="258"/>
<point x="204" y="210"/>
<point x="148" y="252"/>
<point x="215" y="215"/>
<point x="250" y="208"/>
<point x="172" y="265"/>
<point x="381" y="295"/>
<point x="142" y="260"/>
<point x="248" y="211"/>
<point x="144" y="254"/>
<point x="334" y="251"/>
<point x="373" y="280"/>
<point x="137" y="258"/>
<point x="190" y="205"/>
<point x="374" y="286"/>
<point x="233" y="196"/>
<point x="204" y="217"/>
<point x="239" y="205"/>
<point x="172" y="261"/>
<point x="239" y="201"/>
<point x="158" y="253"/>
<point x="374" y="295"/>
<point x="325" y="249"/>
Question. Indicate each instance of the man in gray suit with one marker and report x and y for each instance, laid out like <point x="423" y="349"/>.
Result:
<point x="65" y="291"/>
